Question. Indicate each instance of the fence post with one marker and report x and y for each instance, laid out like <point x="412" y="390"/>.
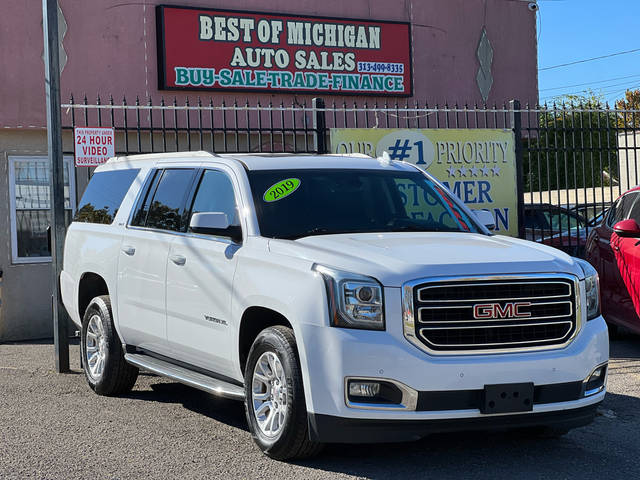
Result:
<point x="56" y="179"/>
<point x="319" y="125"/>
<point x="516" y="124"/>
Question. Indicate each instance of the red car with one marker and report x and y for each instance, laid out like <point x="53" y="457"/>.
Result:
<point x="613" y="248"/>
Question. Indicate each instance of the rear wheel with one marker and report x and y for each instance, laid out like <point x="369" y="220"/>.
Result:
<point x="103" y="361"/>
<point x="274" y="397"/>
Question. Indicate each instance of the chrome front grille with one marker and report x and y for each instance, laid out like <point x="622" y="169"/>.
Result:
<point x="487" y="315"/>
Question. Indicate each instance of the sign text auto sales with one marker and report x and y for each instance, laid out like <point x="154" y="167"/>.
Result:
<point x="224" y="50"/>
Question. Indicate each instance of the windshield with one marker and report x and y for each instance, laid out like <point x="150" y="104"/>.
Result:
<point x="298" y="203"/>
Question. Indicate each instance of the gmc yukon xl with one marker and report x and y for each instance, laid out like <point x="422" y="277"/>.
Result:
<point x="343" y="299"/>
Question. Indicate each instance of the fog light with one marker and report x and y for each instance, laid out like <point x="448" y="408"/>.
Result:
<point x="596" y="375"/>
<point x="595" y="381"/>
<point x="364" y="389"/>
<point x="383" y="394"/>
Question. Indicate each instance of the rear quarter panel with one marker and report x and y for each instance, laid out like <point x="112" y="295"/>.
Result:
<point x="95" y="248"/>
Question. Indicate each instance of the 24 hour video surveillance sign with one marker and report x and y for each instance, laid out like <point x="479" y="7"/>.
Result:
<point x="203" y="49"/>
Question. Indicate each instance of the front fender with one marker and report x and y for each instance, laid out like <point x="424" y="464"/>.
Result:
<point x="291" y="289"/>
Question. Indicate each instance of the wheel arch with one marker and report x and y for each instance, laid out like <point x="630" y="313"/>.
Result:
<point x="90" y="286"/>
<point x="254" y="320"/>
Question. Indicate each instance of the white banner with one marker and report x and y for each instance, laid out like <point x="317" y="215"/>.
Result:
<point x="93" y="145"/>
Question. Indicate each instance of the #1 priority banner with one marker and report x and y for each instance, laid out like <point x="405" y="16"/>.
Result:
<point x="479" y="166"/>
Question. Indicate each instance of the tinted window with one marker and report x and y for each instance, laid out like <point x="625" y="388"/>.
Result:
<point x="298" y="203"/>
<point x="620" y="210"/>
<point x="215" y="194"/>
<point x="103" y="196"/>
<point x="142" y="210"/>
<point x="635" y="210"/>
<point x="562" y="221"/>
<point x="533" y="219"/>
<point x="166" y="209"/>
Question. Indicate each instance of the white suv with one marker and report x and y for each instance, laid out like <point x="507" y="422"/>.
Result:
<point x="344" y="299"/>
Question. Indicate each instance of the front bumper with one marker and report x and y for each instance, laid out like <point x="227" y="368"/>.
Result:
<point x="449" y="386"/>
<point x="330" y="429"/>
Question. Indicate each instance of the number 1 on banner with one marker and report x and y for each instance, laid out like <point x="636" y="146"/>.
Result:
<point x="420" y="153"/>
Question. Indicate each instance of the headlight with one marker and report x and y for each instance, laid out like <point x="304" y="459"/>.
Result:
<point x="592" y="288"/>
<point x="355" y="301"/>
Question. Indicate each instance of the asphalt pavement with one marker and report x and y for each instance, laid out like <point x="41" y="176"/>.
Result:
<point x="53" y="426"/>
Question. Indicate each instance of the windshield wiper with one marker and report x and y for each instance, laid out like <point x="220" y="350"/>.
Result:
<point x="316" y="231"/>
<point x="411" y="228"/>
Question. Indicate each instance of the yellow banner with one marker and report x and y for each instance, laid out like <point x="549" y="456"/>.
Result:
<point x="479" y="166"/>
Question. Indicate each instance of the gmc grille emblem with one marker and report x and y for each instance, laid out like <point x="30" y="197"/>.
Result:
<point x="487" y="311"/>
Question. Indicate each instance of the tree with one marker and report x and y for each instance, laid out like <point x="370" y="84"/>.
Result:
<point x="631" y="101"/>
<point x="91" y="214"/>
<point x="573" y="144"/>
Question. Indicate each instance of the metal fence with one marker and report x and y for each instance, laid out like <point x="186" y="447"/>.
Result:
<point x="573" y="160"/>
<point x="576" y="160"/>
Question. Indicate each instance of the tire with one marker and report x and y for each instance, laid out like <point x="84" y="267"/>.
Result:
<point x="289" y="437"/>
<point x="100" y="339"/>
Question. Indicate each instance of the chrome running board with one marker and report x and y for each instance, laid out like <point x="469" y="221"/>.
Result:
<point x="186" y="376"/>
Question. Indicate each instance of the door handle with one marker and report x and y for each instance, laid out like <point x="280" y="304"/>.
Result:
<point x="178" y="259"/>
<point x="129" y="250"/>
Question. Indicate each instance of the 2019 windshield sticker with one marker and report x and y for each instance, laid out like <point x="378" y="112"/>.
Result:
<point x="282" y="189"/>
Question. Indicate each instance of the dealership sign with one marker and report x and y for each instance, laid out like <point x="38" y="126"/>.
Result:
<point x="93" y="145"/>
<point x="204" y="49"/>
<point x="477" y="165"/>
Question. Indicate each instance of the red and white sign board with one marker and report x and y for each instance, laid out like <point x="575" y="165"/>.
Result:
<point x="93" y="145"/>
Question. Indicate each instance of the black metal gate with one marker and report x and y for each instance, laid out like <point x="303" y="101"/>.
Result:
<point x="573" y="160"/>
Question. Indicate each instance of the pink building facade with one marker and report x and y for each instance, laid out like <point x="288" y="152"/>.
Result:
<point x="110" y="47"/>
<point x="461" y="51"/>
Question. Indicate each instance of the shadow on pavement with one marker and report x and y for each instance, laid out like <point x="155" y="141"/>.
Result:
<point x="592" y="450"/>
<point x="601" y="448"/>
<point x="625" y="347"/>
<point x="226" y="411"/>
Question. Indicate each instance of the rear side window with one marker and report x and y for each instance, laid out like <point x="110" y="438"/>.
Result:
<point x="163" y="207"/>
<point x="103" y="196"/>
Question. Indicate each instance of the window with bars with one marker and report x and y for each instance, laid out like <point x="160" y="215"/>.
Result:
<point x="30" y="206"/>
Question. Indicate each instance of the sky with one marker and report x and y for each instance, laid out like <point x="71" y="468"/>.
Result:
<point x="573" y="30"/>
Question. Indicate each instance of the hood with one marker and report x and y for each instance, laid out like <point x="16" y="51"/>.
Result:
<point x="398" y="257"/>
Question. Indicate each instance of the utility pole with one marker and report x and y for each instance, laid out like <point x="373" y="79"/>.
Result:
<point x="56" y="178"/>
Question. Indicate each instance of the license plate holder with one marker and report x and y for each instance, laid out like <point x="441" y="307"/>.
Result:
<point x="508" y="398"/>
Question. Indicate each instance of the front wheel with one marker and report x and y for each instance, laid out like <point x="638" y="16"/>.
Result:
<point x="274" y="397"/>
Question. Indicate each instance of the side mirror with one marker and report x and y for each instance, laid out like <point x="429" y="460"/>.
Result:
<point x="627" y="228"/>
<point x="215" y="223"/>
<point x="485" y="218"/>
